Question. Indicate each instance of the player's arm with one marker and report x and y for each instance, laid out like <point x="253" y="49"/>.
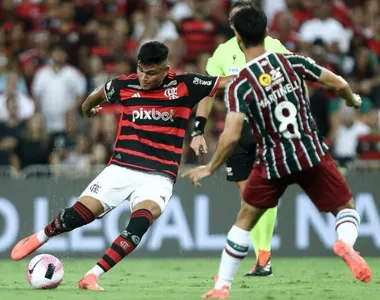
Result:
<point x="237" y="109"/>
<point x="226" y="144"/>
<point x="224" y="81"/>
<point x="341" y="86"/>
<point x="204" y="86"/>
<point x="106" y="93"/>
<point x="91" y="106"/>
<point x="198" y="142"/>
<point x="205" y="106"/>
<point x="228" y="140"/>
<point x="313" y="72"/>
<point x="213" y="68"/>
<point x="231" y="134"/>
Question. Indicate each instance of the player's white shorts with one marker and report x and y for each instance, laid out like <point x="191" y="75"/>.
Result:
<point x="116" y="184"/>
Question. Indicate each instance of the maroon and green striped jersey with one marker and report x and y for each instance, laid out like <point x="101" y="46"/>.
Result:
<point x="270" y="90"/>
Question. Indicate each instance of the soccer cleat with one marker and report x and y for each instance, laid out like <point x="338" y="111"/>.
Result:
<point x="90" y="282"/>
<point x="263" y="266"/>
<point x="357" y="265"/>
<point x="252" y="270"/>
<point x="214" y="293"/>
<point x="261" y="271"/>
<point x="25" y="247"/>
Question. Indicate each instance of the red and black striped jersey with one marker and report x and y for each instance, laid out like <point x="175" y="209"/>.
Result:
<point x="271" y="91"/>
<point x="153" y="123"/>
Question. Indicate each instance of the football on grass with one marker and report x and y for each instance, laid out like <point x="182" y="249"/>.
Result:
<point x="45" y="271"/>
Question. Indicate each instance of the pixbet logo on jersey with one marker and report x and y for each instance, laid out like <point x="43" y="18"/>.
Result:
<point x="152" y="114"/>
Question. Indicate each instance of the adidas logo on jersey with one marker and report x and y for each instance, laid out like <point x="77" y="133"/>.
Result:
<point x="136" y="95"/>
<point x="152" y="114"/>
<point x="171" y="83"/>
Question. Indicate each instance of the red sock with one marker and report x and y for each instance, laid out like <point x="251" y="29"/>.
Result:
<point x="125" y="243"/>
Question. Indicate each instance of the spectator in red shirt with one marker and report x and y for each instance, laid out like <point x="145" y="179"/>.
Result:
<point x="199" y="32"/>
<point x="32" y="11"/>
<point x="100" y="45"/>
<point x="285" y="33"/>
<point x="298" y="13"/>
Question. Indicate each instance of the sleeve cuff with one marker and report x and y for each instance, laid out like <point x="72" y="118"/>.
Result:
<point x="215" y="88"/>
<point x="105" y="95"/>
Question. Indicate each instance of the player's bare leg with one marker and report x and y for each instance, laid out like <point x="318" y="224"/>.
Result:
<point x="347" y="225"/>
<point x="142" y="217"/>
<point x="236" y="249"/>
<point x="81" y="213"/>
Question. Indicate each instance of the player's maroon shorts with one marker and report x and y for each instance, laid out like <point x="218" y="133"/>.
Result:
<point x="323" y="183"/>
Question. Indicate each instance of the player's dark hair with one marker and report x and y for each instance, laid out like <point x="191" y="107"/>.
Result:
<point x="152" y="53"/>
<point x="251" y="24"/>
<point x="241" y="4"/>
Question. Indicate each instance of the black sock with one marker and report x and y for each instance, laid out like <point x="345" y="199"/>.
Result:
<point x="69" y="219"/>
<point x="125" y="243"/>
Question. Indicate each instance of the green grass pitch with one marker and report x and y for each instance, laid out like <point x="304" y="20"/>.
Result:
<point x="167" y="279"/>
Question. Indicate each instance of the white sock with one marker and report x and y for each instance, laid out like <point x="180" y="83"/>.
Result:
<point x="98" y="271"/>
<point x="236" y="249"/>
<point x="42" y="237"/>
<point x="347" y="225"/>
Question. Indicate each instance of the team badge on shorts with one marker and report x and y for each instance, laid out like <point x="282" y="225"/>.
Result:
<point x="229" y="171"/>
<point x="95" y="188"/>
<point x="265" y="79"/>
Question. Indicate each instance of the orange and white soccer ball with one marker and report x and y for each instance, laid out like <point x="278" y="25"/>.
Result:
<point x="45" y="271"/>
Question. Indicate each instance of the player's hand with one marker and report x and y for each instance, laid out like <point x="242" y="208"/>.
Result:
<point x="199" y="145"/>
<point x="93" y="112"/>
<point x="196" y="174"/>
<point x="356" y="101"/>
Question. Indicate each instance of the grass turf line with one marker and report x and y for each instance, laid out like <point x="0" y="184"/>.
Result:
<point x="167" y="279"/>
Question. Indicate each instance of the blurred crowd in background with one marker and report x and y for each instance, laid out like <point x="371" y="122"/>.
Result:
<point x="53" y="53"/>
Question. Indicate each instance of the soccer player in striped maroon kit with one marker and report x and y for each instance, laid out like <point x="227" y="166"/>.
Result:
<point x="156" y="106"/>
<point x="270" y="90"/>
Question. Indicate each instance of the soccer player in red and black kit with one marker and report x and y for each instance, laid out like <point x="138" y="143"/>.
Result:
<point x="156" y="106"/>
<point x="270" y="90"/>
